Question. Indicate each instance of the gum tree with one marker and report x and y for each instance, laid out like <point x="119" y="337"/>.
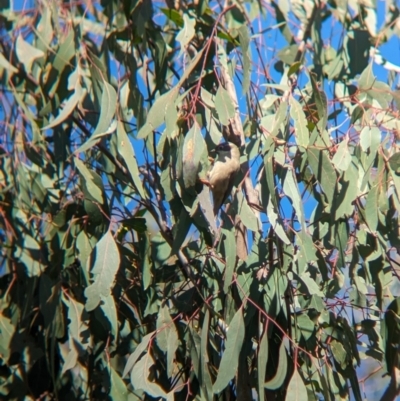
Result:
<point x="117" y="282"/>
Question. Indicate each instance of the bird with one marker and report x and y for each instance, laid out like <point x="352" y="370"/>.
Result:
<point x="222" y="175"/>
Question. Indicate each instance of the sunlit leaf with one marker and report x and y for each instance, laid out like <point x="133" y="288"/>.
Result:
<point x="126" y="150"/>
<point x="280" y="374"/>
<point x="224" y="106"/>
<point x="105" y="266"/>
<point x="186" y="34"/>
<point x="342" y="158"/>
<point x="27" y="53"/>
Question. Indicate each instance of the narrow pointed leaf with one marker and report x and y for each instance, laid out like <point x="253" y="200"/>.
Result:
<point x="230" y="357"/>
<point x="281" y="370"/>
<point x="104" y="269"/>
<point x="224" y="106"/>
<point x="126" y="150"/>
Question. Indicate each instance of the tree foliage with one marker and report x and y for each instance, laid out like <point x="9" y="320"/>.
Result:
<point x="117" y="282"/>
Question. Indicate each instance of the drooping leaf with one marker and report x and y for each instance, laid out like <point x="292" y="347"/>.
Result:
<point x="300" y="123"/>
<point x="230" y="357"/>
<point x="126" y="150"/>
<point x="105" y="266"/>
<point x="296" y="389"/>
<point x="342" y="158"/>
<point x="230" y="262"/>
<point x="244" y="43"/>
<point x="137" y="353"/>
<point x="89" y="181"/>
<point x="281" y="371"/>
<point x="292" y="191"/>
<point x="156" y="115"/>
<point x="262" y="360"/>
<point x="186" y="34"/>
<point x="68" y="108"/>
<point x="224" y="106"/>
<point x="167" y="337"/>
<point x="207" y="388"/>
<point x="323" y="170"/>
<point x="140" y="377"/>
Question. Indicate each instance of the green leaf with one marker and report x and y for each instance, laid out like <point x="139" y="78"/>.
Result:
<point x="107" y="305"/>
<point x="269" y="175"/>
<point x="291" y="189"/>
<point x="306" y="325"/>
<point x="27" y="53"/>
<point x="167" y="337"/>
<point x="247" y="215"/>
<point x="371" y="208"/>
<point x="342" y="158"/>
<point x="107" y="112"/>
<point x="339" y="353"/>
<point x="311" y="285"/>
<point x="230" y="357"/>
<point x="4" y="63"/>
<point x="367" y="78"/>
<point x="186" y="34"/>
<point x="90" y="184"/>
<point x="300" y="123"/>
<point x="205" y="373"/>
<point x="230" y="261"/>
<point x="107" y="109"/>
<point x="126" y="150"/>
<point x="157" y="113"/>
<point x="118" y="389"/>
<point x="321" y="104"/>
<point x="369" y="136"/>
<point x="348" y="192"/>
<point x="244" y="40"/>
<point x="68" y="108"/>
<point x="294" y="68"/>
<point x="142" y="347"/>
<point x="262" y="360"/>
<point x="224" y="106"/>
<point x="105" y="266"/>
<point x="296" y="389"/>
<point x="323" y="171"/>
<point x="281" y="371"/>
<point x="280" y="119"/>
<point x="140" y="377"/>
<point x="277" y="223"/>
<point x="7" y="330"/>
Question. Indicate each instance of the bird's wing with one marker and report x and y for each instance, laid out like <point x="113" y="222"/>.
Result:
<point x="220" y="185"/>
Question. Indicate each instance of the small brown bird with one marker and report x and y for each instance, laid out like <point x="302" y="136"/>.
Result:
<point x="222" y="175"/>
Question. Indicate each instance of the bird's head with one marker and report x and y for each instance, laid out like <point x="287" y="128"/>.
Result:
<point x="226" y="150"/>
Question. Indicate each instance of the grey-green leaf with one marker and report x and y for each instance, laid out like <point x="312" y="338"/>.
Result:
<point x="104" y="269"/>
<point x="126" y="150"/>
<point x="230" y="357"/>
<point x="94" y="190"/>
<point x="300" y="123"/>
<point x="224" y="106"/>
<point x="167" y="336"/>
<point x="323" y="170"/>
<point x="156" y="115"/>
<point x="281" y="371"/>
